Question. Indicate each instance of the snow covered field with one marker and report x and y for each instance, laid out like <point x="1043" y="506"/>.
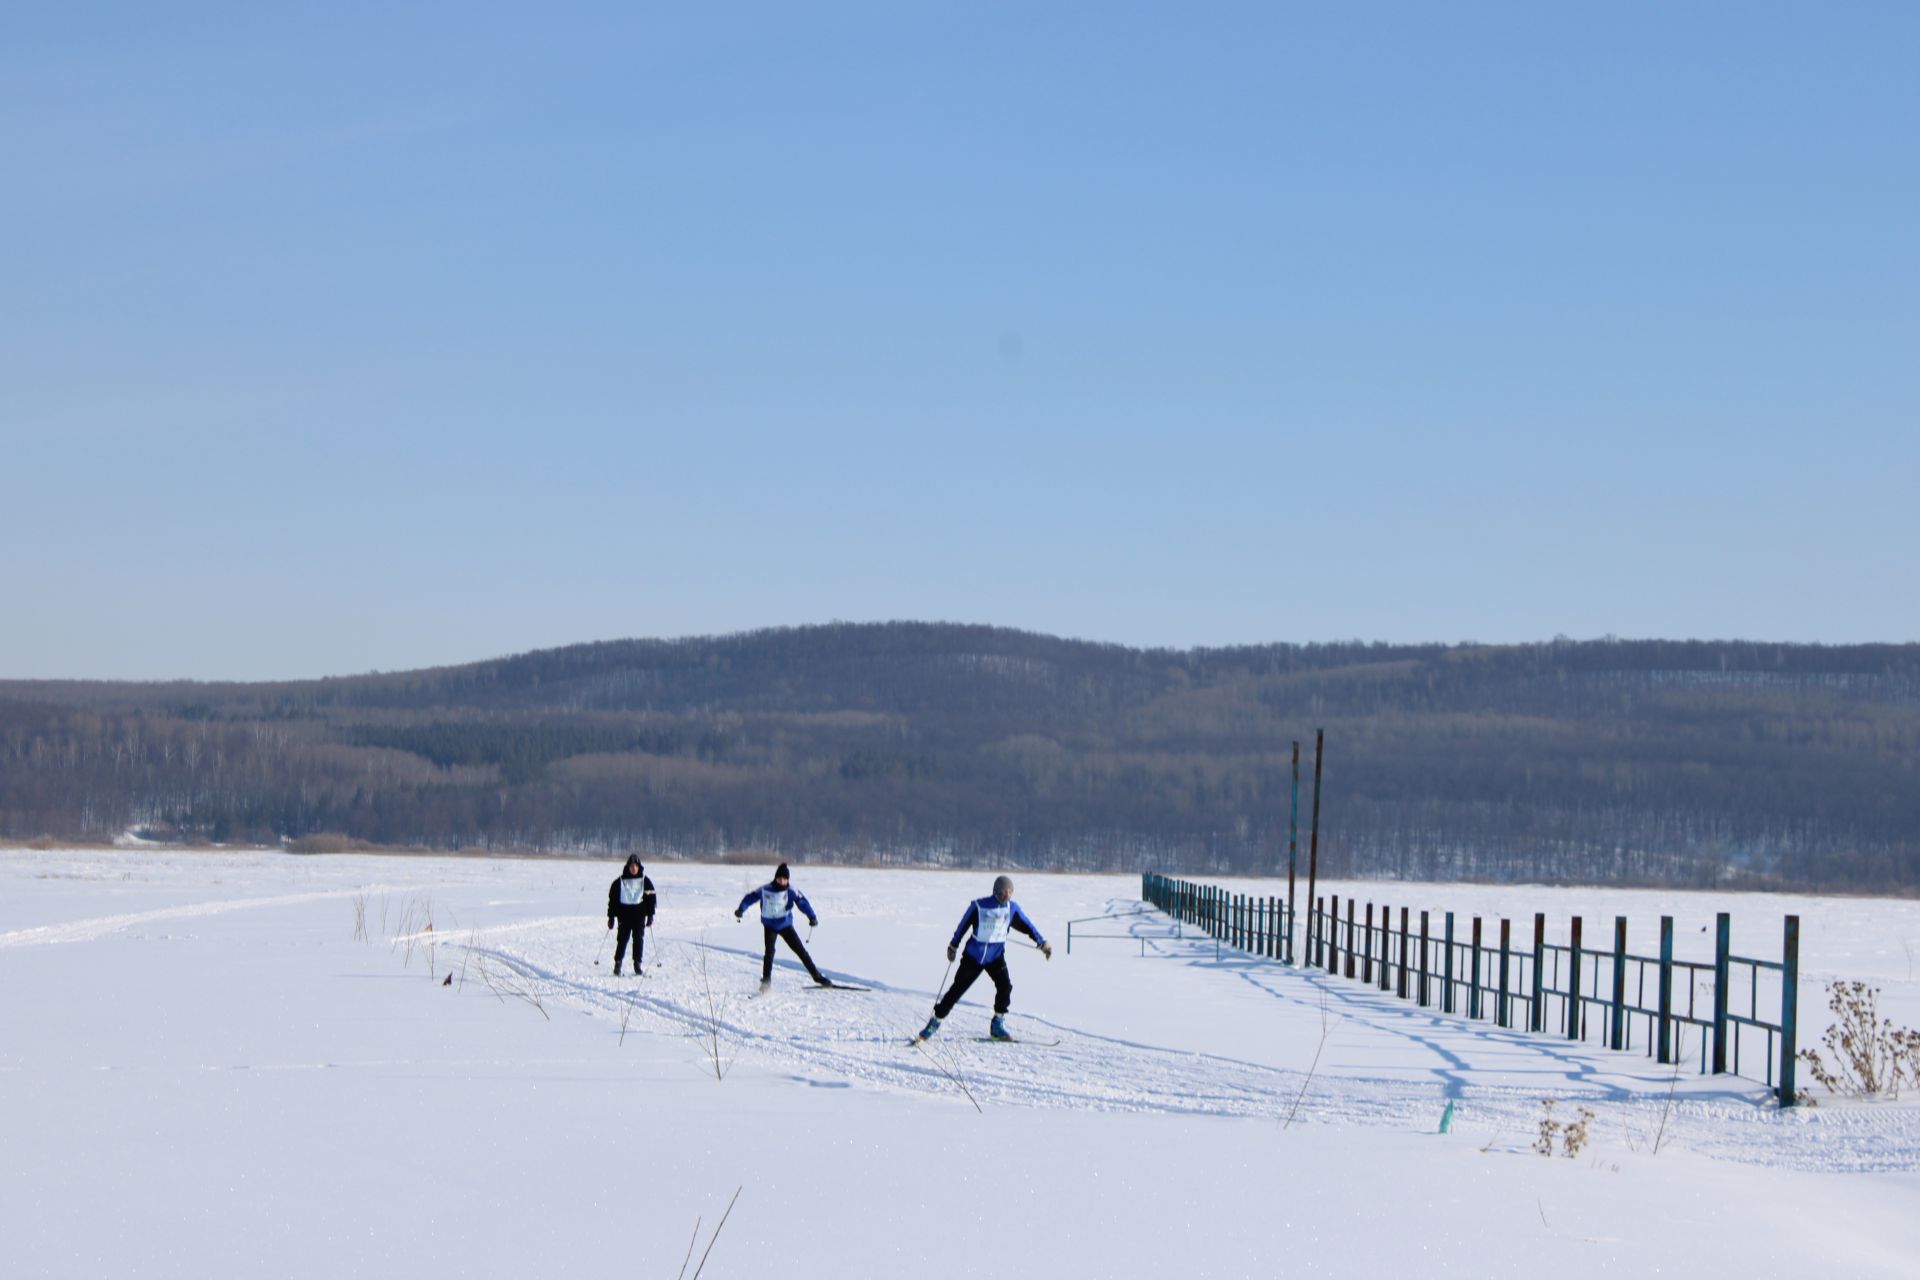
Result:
<point x="204" y="1073"/>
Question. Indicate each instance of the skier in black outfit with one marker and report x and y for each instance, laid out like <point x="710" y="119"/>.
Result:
<point x="777" y="900"/>
<point x="630" y="903"/>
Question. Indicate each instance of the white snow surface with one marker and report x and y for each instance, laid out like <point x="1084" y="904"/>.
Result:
<point x="204" y="1073"/>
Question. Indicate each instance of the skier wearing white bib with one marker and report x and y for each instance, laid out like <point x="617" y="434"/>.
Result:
<point x="777" y="900"/>
<point x="992" y="919"/>
<point x="630" y="903"/>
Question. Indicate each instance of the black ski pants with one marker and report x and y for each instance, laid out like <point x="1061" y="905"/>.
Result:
<point x="635" y="929"/>
<point x="799" y="948"/>
<point x="971" y="969"/>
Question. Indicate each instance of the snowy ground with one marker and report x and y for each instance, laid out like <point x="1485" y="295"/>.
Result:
<point x="204" y="1073"/>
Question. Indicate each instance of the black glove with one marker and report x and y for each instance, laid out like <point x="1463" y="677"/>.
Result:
<point x="736" y="915"/>
<point x="952" y="951"/>
<point x="609" y="922"/>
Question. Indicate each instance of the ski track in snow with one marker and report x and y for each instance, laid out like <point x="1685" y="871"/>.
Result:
<point x="100" y="926"/>
<point x="862" y="1037"/>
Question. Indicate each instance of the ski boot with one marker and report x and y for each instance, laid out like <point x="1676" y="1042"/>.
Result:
<point x="926" y="1032"/>
<point x="998" y="1029"/>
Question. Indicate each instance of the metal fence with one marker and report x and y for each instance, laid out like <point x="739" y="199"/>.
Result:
<point x="1260" y="925"/>
<point x="1629" y="1000"/>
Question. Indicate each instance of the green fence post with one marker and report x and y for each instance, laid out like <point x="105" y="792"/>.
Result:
<point x="1426" y="966"/>
<point x="1405" y="932"/>
<point x="1789" y="1008"/>
<point x="1502" y="1010"/>
<point x="1619" y="983"/>
<point x="1349" y="937"/>
<point x="1473" y="975"/>
<point x="1722" y="948"/>
<point x="1664" y="1041"/>
<point x="1537" y="1008"/>
<point x="1573" y="983"/>
<point x="1366" y="964"/>
<point x="1387" y="950"/>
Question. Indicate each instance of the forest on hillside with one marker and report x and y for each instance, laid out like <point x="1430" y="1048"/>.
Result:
<point x="1660" y="762"/>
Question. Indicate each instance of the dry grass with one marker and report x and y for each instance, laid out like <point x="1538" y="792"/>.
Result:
<point x="1870" y="1056"/>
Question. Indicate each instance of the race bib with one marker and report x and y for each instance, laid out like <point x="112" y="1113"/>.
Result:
<point x="992" y="924"/>
<point x="773" y="903"/>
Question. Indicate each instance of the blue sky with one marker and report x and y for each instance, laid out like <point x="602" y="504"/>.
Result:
<point x="337" y="337"/>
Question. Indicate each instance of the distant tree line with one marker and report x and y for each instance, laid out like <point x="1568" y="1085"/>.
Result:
<point x="1649" y="762"/>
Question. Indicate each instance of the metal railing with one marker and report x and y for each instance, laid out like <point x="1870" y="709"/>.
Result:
<point x="1177" y="931"/>
<point x="1262" y="926"/>
<point x="1559" y="987"/>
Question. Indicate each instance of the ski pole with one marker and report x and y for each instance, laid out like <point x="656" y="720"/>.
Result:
<point x="603" y="948"/>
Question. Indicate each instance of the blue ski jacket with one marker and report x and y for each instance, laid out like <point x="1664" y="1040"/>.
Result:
<point x="776" y="906"/>
<point x="991" y="922"/>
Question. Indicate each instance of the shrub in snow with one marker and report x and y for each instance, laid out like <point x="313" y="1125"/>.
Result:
<point x="1871" y="1056"/>
<point x="1571" y="1134"/>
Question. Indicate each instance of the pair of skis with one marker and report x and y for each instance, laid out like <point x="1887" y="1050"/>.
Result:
<point x="917" y="1040"/>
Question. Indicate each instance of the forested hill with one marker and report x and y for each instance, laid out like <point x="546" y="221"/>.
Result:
<point x="1646" y="761"/>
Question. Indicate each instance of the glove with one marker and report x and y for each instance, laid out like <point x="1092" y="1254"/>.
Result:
<point x="609" y="922"/>
<point x="814" y="923"/>
<point x="952" y="951"/>
<point x="736" y="915"/>
<point x="1046" y="949"/>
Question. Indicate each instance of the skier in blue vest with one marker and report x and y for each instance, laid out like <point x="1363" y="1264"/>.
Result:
<point x="777" y="900"/>
<point x="992" y="920"/>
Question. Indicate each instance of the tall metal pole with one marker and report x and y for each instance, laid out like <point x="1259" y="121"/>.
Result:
<point x="1313" y="840"/>
<point x="1293" y="851"/>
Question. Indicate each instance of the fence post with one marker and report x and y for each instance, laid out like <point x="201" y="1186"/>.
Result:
<point x="1386" y="947"/>
<point x="1537" y="1008"/>
<point x="1619" y="983"/>
<point x="1446" y="970"/>
<point x="1473" y="980"/>
<point x="1404" y="931"/>
<point x="1349" y="937"/>
<point x="1665" y="1041"/>
<point x="1425" y="987"/>
<point x="1503" y="1012"/>
<point x="1789" y="1008"/>
<point x="1573" y="984"/>
<point x="1366" y="965"/>
<point x="1316" y="942"/>
<point x="1722" y="947"/>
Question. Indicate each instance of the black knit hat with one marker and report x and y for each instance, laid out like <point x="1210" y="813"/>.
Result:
<point x="780" y="872"/>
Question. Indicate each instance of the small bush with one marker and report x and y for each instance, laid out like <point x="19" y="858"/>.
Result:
<point x="1871" y="1056"/>
<point x="1572" y="1134"/>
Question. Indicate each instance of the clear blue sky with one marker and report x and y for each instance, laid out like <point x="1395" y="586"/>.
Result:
<point x="349" y="338"/>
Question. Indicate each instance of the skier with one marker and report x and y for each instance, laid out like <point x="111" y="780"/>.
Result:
<point x="991" y="918"/>
<point x="777" y="900"/>
<point x="630" y="902"/>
